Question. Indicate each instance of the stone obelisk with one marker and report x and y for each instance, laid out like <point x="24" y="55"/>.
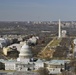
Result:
<point x="59" y="30"/>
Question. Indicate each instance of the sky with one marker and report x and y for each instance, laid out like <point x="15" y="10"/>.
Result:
<point x="37" y="10"/>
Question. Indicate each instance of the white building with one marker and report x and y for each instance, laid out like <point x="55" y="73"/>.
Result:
<point x="10" y="65"/>
<point x="23" y="62"/>
<point x="32" y="40"/>
<point x="24" y="59"/>
<point x="39" y="64"/>
<point x="55" y="66"/>
<point x="22" y="66"/>
<point x="3" y="43"/>
<point x="74" y="50"/>
<point x="64" y="33"/>
<point x="25" y="53"/>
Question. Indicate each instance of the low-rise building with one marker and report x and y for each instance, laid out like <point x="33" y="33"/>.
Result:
<point x="10" y="65"/>
<point x="56" y="66"/>
<point x="39" y="64"/>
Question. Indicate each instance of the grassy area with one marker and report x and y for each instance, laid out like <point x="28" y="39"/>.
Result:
<point x="47" y="52"/>
<point x="55" y="42"/>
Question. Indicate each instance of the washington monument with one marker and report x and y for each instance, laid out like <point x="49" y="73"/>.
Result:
<point x="59" y="30"/>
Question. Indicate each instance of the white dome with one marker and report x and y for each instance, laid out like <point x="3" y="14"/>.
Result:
<point x="74" y="41"/>
<point x="25" y="51"/>
<point x="25" y="46"/>
<point x="2" y="40"/>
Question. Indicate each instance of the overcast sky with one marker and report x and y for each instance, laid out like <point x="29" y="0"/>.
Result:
<point x="37" y="10"/>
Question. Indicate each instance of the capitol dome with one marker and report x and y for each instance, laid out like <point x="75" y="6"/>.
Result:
<point x="25" y="51"/>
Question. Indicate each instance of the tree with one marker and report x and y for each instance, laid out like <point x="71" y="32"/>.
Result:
<point x="43" y="71"/>
<point x="2" y="66"/>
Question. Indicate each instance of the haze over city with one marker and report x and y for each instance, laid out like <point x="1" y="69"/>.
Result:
<point x="37" y="10"/>
<point x="37" y="37"/>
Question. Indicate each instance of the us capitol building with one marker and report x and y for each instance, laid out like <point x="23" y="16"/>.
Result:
<point x="24" y="62"/>
<point x="25" y="53"/>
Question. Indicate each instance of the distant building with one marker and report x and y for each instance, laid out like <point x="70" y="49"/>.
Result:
<point x="64" y="33"/>
<point x="3" y="43"/>
<point x="6" y="50"/>
<point x="74" y="50"/>
<point x="32" y="40"/>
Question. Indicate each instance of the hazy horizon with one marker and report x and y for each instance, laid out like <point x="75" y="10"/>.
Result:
<point x="37" y="10"/>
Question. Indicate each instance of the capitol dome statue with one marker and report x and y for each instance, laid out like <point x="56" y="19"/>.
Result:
<point x="25" y="52"/>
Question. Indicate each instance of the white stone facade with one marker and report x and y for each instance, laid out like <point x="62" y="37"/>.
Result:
<point x="10" y="65"/>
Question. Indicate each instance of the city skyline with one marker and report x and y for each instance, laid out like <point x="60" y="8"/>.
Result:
<point x="37" y="10"/>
